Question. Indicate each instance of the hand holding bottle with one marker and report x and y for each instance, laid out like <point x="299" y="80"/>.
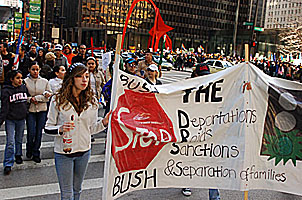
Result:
<point x="67" y="127"/>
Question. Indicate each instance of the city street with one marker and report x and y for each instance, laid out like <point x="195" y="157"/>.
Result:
<point x="39" y="181"/>
<point x="238" y="129"/>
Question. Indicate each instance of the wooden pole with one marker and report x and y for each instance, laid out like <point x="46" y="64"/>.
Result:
<point x="118" y="45"/>
<point x="118" y="51"/>
<point x="246" y="195"/>
<point x="246" y="52"/>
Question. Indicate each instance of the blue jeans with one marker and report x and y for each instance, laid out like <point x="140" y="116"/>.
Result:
<point x="14" y="136"/>
<point x="35" y="123"/>
<point x="214" y="194"/>
<point x="71" y="173"/>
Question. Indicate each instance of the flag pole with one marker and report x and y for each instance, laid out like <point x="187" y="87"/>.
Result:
<point x="162" y="51"/>
<point x="113" y="96"/>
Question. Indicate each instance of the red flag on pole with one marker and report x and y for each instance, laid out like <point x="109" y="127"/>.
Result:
<point x="91" y="40"/>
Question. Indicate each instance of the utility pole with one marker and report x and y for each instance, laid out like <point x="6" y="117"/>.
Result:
<point x="23" y="12"/>
<point x="62" y="19"/>
<point x="42" y="21"/>
<point x="253" y="36"/>
<point x="251" y="9"/>
<point x="235" y="28"/>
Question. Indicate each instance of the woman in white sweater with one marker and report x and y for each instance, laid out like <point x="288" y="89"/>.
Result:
<point x="40" y="92"/>
<point x="72" y="118"/>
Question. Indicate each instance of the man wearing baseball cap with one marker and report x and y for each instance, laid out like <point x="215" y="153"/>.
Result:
<point x="201" y="69"/>
<point x="131" y="66"/>
<point x="60" y="60"/>
<point x="152" y="74"/>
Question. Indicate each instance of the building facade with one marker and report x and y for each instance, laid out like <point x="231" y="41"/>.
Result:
<point x="209" y="23"/>
<point x="282" y="14"/>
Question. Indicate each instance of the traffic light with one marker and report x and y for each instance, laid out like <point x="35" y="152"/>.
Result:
<point x="254" y="44"/>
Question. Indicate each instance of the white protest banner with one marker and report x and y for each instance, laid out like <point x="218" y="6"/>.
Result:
<point x="238" y="129"/>
<point x="106" y="59"/>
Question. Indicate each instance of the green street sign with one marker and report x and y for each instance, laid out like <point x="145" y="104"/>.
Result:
<point x="10" y="28"/>
<point x="10" y="22"/>
<point x="35" y="1"/>
<point x="34" y="12"/>
<point x="18" y="20"/>
<point x="258" y="29"/>
<point x="248" y="23"/>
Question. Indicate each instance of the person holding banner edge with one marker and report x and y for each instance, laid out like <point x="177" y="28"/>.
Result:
<point x="201" y="70"/>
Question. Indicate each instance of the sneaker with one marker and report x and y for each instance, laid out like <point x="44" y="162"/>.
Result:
<point x="186" y="192"/>
<point x="18" y="159"/>
<point x="36" y="159"/>
<point x="29" y="155"/>
<point x="7" y="170"/>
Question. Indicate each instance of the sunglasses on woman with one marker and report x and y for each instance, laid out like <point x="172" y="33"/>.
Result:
<point x="150" y="70"/>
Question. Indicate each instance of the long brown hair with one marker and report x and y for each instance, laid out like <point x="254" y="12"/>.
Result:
<point x="65" y="95"/>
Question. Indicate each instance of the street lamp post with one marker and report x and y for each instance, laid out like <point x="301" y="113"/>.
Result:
<point x="23" y="11"/>
<point x="235" y="28"/>
<point x="12" y="17"/>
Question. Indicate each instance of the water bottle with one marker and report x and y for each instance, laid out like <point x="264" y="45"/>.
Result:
<point x="67" y="139"/>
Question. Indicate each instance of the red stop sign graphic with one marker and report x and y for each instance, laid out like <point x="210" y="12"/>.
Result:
<point x="140" y="129"/>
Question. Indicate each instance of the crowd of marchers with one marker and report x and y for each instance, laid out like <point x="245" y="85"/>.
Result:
<point x="59" y="91"/>
<point x="52" y="88"/>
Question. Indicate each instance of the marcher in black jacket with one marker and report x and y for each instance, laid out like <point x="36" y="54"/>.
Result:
<point x="13" y="112"/>
<point x="24" y="61"/>
<point x="82" y="56"/>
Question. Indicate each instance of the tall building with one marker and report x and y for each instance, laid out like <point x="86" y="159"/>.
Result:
<point x="14" y="3"/>
<point x="283" y="14"/>
<point x="7" y="9"/>
<point x="209" y="23"/>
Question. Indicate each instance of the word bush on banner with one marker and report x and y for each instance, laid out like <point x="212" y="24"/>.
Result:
<point x="238" y="129"/>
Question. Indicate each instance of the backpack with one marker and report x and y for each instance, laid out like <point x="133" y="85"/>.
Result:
<point x="106" y="90"/>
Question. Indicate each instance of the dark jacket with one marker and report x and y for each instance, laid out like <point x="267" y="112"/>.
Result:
<point x="24" y="64"/>
<point x="13" y="103"/>
<point x="79" y="58"/>
<point x="46" y="70"/>
<point x="62" y="61"/>
<point x="8" y="62"/>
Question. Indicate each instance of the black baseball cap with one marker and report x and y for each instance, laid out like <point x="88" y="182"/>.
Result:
<point x="202" y="69"/>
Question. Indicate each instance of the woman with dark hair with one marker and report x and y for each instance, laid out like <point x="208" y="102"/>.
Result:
<point x="72" y="118"/>
<point x="13" y="112"/>
<point x="41" y="58"/>
<point x="40" y="92"/>
<point x="97" y="79"/>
